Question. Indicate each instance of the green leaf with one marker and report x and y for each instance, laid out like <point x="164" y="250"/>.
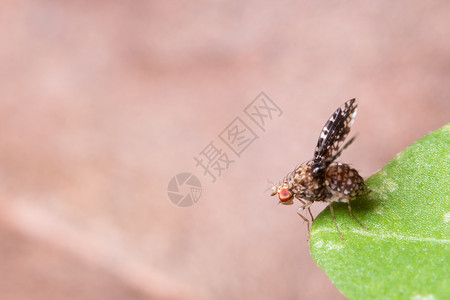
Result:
<point x="405" y="253"/>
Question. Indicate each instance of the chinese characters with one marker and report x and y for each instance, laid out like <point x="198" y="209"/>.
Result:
<point x="237" y="136"/>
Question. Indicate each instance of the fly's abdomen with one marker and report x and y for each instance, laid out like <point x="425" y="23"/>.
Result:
<point x="343" y="183"/>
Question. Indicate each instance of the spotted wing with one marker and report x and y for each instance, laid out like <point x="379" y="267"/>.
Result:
<point x="334" y="132"/>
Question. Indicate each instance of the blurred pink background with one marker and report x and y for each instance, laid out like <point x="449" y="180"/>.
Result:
<point x="103" y="102"/>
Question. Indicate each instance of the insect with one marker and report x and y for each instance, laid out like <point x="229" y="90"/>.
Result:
<point x="323" y="179"/>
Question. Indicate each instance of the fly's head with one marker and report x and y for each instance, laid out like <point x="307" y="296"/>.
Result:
<point x="284" y="193"/>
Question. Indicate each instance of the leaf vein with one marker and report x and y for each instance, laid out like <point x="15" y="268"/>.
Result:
<point x="380" y="236"/>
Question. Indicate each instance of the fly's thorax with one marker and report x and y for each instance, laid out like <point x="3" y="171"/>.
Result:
<point x="343" y="183"/>
<point x="305" y="185"/>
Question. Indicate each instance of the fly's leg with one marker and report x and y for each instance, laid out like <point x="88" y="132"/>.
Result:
<point x="303" y="217"/>
<point x="334" y="220"/>
<point x="306" y="205"/>
<point x="350" y="213"/>
<point x="312" y="217"/>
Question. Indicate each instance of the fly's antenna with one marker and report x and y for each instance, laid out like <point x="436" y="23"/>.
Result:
<point x="271" y="186"/>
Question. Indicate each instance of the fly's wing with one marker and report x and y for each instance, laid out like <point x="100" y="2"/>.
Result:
<point x="334" y="133"/>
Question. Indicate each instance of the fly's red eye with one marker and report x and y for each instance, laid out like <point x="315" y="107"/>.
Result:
<point x="284" y="195"/>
